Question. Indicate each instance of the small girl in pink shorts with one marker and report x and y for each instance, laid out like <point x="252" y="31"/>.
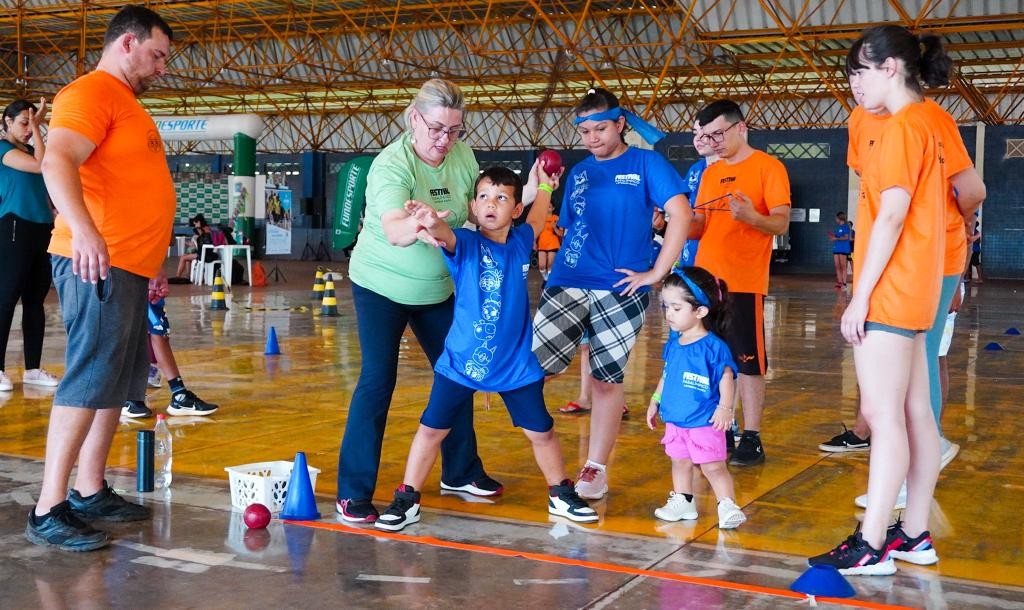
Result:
<point x="695" y="395"/>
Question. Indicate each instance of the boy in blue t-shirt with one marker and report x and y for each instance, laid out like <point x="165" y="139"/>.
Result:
<point x="695" y="395"/>
<point x="489" y="345"/>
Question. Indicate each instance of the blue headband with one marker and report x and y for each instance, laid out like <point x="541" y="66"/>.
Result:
<point x="651" y="134"/>
<point x="694" y="288"/>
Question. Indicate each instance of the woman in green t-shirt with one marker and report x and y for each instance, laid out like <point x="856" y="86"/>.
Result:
<point x="26" y="221"/>
<point x="399" y="281"/>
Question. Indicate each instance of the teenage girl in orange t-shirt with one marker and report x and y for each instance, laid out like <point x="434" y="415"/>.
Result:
<point x="897" y="280"/>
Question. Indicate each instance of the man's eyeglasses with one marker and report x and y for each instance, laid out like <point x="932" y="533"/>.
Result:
<point x="715" y="136"/>
<point x="453" y="133"/>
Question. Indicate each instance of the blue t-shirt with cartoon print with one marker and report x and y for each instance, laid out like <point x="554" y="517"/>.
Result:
<point x="693" y="371"/>
<point x="607" y="213"/>
<point x="489" y="346"/>
<point x="692" y="181"/>
<point x="841" y="246"/>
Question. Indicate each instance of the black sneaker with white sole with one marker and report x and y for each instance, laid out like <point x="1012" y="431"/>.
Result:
<point x="749" y="451"/>
<point x="136" y="409"/>
<point x="846" y="442"/>
<point x="187" y="403"/>
<point x="356" y="511"/>
<point x="404" y="510"/>
<point x="563" y="501"/>
<point x="106" y="505"/>
<point x="484" y="486"/>
<point x="62" y="529"/>
<point x="855" y="557"/>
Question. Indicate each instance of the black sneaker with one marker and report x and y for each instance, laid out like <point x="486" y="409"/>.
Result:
<point x="404" y="510"/>
<point x="106" y="505"/>
<point x="749" y="452"/>
<point x="917" y="550"/>
<point x="846" y="442"/>
<point x="485" y="486"/>
<point x="730" y="441"/>
<point x="62" y="529"/>
<point x="563" y="501"/>
<point x="187" y="403"/>
<point x="854" y="557"/>
<point x="356" y="511"/>
<point x="136" y="409"/>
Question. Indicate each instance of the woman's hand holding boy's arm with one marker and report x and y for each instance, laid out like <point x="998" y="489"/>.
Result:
<point x="433" y="230"/>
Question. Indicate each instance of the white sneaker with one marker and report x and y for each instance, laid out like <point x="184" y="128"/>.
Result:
<point x="154" y="377"/>
<point x="949" y="451"/>
<point x="592" y="483"/>
<point x="901" y="499"/>
<point x="6" y="385"/>
<point x="677" y="508"/>
<point x="729" y="515"/>
<point x="40" y="377"/>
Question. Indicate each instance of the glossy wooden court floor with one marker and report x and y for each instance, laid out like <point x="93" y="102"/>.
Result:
<point x="799" y="502"/>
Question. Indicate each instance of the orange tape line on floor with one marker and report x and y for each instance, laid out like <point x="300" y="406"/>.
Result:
<point x="593" y="565"/>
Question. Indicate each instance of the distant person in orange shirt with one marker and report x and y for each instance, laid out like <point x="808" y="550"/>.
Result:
<point x="743" y="202"/>
<point x="548" y="242"/>
<point x="898" y="273"/>
<point x="107" y="175"/>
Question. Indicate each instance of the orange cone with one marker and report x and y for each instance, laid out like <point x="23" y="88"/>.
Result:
<point x="329" y="307"/>
<point x="217" y="301"/>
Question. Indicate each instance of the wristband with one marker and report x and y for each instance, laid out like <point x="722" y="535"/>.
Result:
<point x="656" y="397"/>
<point x="544" y="186"/>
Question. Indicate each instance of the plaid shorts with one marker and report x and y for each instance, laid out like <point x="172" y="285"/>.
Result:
<point x="610" y="320"/>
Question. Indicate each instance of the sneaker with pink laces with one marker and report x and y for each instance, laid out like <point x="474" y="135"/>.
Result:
<point x="592" y="483"/>
<point x="40" y="377"/>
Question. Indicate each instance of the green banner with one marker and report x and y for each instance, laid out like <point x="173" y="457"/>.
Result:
<point x="349" y="200"/>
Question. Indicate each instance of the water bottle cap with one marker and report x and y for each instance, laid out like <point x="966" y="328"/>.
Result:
<point x="160" y="417"/>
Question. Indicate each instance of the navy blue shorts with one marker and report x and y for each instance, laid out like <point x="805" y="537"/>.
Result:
<point x="525" y="405"/>
<point x="107" y="355"/>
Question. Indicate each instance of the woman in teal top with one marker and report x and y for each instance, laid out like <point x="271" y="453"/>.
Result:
<point x="398" y="281"/>
<point x="26" y="221"/>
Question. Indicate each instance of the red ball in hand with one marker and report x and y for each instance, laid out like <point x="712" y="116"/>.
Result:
<point x="256" y="516"/>
<point x="550" y="162"/>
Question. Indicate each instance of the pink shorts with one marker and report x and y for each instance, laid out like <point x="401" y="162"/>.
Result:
<point x="699" y="445"/>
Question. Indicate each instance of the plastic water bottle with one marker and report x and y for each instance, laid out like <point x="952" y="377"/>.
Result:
<point x="162" y="457"/>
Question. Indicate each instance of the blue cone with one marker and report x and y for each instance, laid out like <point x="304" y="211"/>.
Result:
<point x="299" y="503"/>
<point x="994" y="347"/>
<point x="823" y="581"/>
<point x="272" y="348"/>
<point x="1013" y="331"/>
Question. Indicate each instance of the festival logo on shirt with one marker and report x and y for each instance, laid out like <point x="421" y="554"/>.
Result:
<point x="579" y="232"/>
<point x="491" y="278"/>
<point x="628" y="179"/>
<point x="441" y="196"/>
<point x="693" y="381"/>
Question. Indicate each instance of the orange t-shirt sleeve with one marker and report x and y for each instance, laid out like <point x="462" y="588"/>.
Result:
<point x="776" y="184"/>
<point x="854" y="128"/>
<point x="900" y="158"/>
<point x="75" y="108"/>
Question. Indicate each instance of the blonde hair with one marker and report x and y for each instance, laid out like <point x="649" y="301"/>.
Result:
<point x="435" y="93"/>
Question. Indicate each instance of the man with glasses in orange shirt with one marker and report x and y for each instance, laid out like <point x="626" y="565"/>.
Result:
<point x="743" y="202"/>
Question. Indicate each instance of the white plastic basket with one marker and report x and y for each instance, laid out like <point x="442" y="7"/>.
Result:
<point x="263" y="482"/>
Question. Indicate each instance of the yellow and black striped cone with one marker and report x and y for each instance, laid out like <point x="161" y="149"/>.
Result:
<point x="330" y="303"/>
<point x="318" y="285"/>
<point x="217" y="301"/>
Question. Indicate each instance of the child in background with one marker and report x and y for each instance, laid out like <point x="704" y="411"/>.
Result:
<point x="841" y="247"/>
<point x="696" y="393"/>
<point x="489" y="345"/>
<point x="548" y="242"/>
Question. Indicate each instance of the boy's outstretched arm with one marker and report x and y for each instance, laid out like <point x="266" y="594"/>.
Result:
<point x="440" y="234"/>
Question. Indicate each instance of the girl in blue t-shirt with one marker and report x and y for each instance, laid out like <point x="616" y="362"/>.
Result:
<point x="842" y="246"/>
<point x="695" y="396"/>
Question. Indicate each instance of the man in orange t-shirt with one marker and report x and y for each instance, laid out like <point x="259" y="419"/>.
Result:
<point x="107" y="175"/>
<point x="743" y="202"/>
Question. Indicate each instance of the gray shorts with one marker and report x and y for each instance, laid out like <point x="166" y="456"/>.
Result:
<point x="107" y="357"/>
